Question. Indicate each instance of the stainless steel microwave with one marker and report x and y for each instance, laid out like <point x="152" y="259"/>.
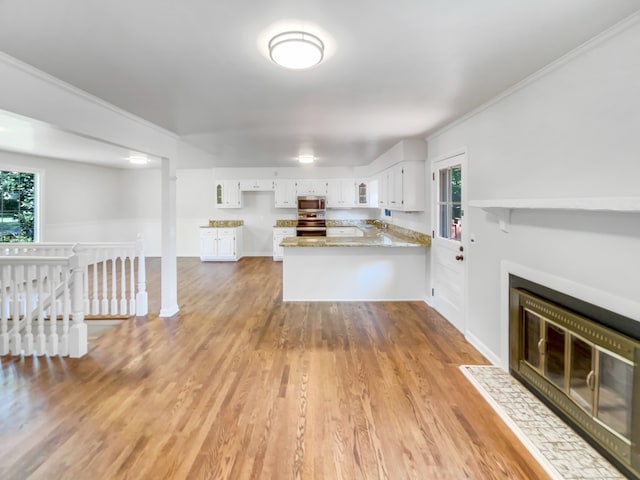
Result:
<point x="312" y="203"/>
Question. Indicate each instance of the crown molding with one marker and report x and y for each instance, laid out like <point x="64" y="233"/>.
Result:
<point x="67" y="87"/>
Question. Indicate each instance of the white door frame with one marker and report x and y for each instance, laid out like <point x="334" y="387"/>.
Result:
<point x="462" y="153"/>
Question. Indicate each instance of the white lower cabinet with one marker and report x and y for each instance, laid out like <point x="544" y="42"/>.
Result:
<point x="279" y="233"/>
<point x="220" y="244"/>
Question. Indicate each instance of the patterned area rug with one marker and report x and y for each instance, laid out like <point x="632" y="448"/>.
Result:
<point x="561" y="451"/>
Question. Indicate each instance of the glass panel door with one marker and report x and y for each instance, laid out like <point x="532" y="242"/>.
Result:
<point x="615" y="388"/>
<point x="532" y="339"/>
<point x="581" y="376"/>
<point x="450" y="203"/>
<point x="555" y="354"/>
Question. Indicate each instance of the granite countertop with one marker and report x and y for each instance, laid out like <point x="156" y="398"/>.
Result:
<point x="224" y="224"/>
<point x="380" y="240"/>
<point x="285" y="223"/>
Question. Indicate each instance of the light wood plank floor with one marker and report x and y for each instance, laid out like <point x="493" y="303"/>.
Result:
<point x="240" y="385"/>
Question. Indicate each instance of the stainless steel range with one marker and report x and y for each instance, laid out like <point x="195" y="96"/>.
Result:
<point x="311" y="217"/>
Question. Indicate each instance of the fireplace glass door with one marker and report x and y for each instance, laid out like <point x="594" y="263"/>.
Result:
<point x="555" y="354"/>
<point x="532" y="338"/>
<point x="581" y="374"/>
<point x="615" y="389"/>
<point x="597" y="380"/>
<point x="581" y="367"/>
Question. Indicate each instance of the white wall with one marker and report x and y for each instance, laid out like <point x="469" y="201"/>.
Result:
<point x="570" y="132"/>
<point x="79" y="202"/>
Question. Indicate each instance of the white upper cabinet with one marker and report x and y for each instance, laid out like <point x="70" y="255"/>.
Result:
<point x="228" y="194"/>
<point x="341" y="193"/>
<point x="263" y="185"/>
<point x="311" y="187"/>
<point x="383" y="189"/>
<point x="401" y="187"/>
<point x="285" y="194"/>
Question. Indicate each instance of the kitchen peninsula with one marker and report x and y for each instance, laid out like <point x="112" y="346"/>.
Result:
<point x="386" y="266"/>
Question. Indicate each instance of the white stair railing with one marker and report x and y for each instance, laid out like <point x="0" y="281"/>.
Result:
<point x="33" y="288"/>
<point x="56" y="283"/>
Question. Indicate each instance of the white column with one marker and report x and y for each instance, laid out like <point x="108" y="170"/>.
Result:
<point x="169" y="278"/>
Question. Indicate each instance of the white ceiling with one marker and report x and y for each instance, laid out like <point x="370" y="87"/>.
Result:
<point x="393" y="69"/>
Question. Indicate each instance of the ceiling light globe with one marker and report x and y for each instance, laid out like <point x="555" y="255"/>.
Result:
<point x="306" y="158"/>
<point x="138" y="160"/>
<point x="296" y="50"/>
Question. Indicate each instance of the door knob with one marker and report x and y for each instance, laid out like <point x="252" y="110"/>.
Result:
<point x="459" y="257"/>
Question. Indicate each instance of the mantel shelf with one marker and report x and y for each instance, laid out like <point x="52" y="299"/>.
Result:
<point x="502" y="208"/>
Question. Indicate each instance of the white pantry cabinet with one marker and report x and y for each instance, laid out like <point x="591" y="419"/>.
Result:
<point x="285" y="194"/>
<point x="228" y="194"/>
<point x="220" y="244"/>
<point x="279" y="233"/>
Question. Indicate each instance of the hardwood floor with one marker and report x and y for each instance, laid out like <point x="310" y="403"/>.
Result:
<point x="240" y="385"/>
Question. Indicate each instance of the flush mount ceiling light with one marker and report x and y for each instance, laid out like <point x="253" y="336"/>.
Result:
<point x="138" y="159"/>
<point x="296" y="50"/>
<point x="306" y="158"/>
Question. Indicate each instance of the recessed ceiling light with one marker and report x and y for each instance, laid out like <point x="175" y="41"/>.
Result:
<point x="306" y="158"/>
<point x="138" y="159"/>
<point x="296" y="50"/>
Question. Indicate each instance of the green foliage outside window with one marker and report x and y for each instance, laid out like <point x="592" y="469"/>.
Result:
<point x="17" y="206"/>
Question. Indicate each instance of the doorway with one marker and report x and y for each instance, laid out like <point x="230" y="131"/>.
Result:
<point x="448" y="277"/>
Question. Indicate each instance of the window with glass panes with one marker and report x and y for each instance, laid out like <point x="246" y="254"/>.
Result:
<point x="17" y="206"/>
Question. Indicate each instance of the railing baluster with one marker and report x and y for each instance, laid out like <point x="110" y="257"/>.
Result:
<point x="95" y="304"/>
<point x="64" y="338"/>
<point x="123" y="283"/>
<point x="53" y="346"/>
<point x="4" y="315"/>
<point x="27" y="340"/>
<point x="104" y="310"/>
<point x="16" y="338"/>
<point x="41" y="338"/>
<point x="114" y="277"/>
<point x="142" y="304"/>
<point x="85" y="288"/>
<point x="132" y="284"/>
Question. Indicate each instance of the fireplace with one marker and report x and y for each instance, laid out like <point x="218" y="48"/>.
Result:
<point x="582" y="361"/>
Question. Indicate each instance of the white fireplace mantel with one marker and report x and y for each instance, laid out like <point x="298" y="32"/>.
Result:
<point x="502" y="208"/>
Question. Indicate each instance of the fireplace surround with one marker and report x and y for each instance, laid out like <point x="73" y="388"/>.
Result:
<point x="581" y="360"/>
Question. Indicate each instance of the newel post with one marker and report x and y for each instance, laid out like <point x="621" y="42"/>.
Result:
<point x="142" y="303"/>
<point x="78" y="340"/>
